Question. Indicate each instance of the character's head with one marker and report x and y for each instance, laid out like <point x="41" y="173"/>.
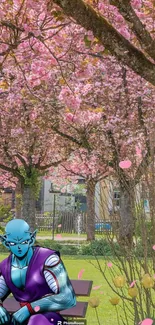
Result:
<point x="18" y="238"/>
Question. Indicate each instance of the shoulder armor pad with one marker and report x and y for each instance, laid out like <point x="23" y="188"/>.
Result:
<point x="52" y="260"/>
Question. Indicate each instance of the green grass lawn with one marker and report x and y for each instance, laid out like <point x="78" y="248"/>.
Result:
<point x="49" y="233"/>
<point x="106" y="311"/>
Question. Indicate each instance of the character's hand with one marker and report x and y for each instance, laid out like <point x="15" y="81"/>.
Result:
<point x="4" y="316"/>
<point x="20" y="316"/>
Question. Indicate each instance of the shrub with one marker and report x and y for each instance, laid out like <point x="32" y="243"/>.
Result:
<point x="100" y="247"/>
<point x="97" y="247"/>
<point x="70" y="250"/>
<point x="64" y="249"/>
<point x="148" y="226"/>
<point x="5" y="211"/>
<point x="49" y="244"/>
<point x="139" y="249"/>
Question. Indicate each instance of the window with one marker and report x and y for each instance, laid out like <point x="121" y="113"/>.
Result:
<point x="116" y="199"/>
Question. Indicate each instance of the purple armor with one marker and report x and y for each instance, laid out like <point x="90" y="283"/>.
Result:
<point x="35" y="286"/>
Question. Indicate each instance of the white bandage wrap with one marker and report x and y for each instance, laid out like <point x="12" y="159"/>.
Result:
<point x="3" y="287"/>
<point x="51" y="262"/>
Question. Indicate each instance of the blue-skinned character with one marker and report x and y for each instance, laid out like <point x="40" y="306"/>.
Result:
<point x="36" y="277"/>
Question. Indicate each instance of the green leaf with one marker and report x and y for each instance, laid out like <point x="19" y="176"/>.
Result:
<point x="87" y="41"/>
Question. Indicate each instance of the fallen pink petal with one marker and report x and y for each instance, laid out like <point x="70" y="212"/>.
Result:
<point x="153" y="247"/>
<point x="80" y="274"/>
<point x="37" y="308"/>
<point x="133" y="283"/>
<point x="109" y="264"/>
<point x="96" y="287"/>
<point x="138" y="151"/>
<point x="124" y="164"/>
<point x="59" y="226"/>
<point x="59" y="236"/>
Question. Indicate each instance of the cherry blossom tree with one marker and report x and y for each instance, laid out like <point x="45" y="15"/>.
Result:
<point x="87" y="166"/>
<point x="124" y="122"/>
<point x="28" y="148"/>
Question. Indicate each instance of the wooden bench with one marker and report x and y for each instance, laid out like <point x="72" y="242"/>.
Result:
<point x="81" y="288"/>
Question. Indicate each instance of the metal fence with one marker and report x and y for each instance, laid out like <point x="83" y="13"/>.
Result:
<point x="73" y="222"/>
<point x="66" y="221"/>
<point x="44" y="221"/>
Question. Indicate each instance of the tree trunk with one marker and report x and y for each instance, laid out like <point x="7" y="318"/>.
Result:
<point x="18" y="200"/>
<point x="90" y="224"/>
<point x="28" y="206"/>
<point x="126" y="229"/>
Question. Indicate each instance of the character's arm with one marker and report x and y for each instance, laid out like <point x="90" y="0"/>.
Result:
<point x="57" y="279"/>
<point x="4" y="292"/>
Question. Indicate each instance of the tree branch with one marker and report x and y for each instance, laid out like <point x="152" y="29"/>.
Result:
<point x="138" y="28"/>
<point x="22" y="160"/>
<point x="13" y="171"/>
<point x="10" y="25"/>
<point x="67" y="136"/>
<point x="54" y="164"/>
<point x="123" y="179"/>
<point x="146" y="160"/>
<point x="141" y="168"/>
<point x="118" y="46"/>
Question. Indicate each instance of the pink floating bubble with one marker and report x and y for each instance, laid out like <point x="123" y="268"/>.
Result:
<point x="101" y="292"/>
<point x="109" y="264"/>
<point x="125" y="164"/>
<point x="133" y="283"/>
<point x="80" y="274"/>
<point x="52" y="319"/>
<point x="59" y="226"/>
<point x="36" y="308"/>
<point x="153" y="247"/>
<point x="147" y="321"/>
<point x="96" y="287"/>
<point x="58" y="236"/>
